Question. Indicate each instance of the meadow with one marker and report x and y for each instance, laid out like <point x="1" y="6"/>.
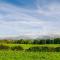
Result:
<point x="26" y="55"/>
<point x="30" y="49"/>
<point x="19" y="55"/>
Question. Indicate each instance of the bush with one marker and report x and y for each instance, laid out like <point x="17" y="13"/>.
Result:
<point x="41" y="49"/>
<point x="37" y="48"/>
<point x="51" y="49"/>
<point x="57" y="49"/>
<point x="3" y="47"/>
<point x="16" y="48"/>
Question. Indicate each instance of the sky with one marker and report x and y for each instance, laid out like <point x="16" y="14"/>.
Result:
<point x="29" y="17"/>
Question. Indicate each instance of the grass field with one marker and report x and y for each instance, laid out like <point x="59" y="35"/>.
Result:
<point x="25" y="46"/>
<point x="23" y="55"/>
<point x="19" y="55"/>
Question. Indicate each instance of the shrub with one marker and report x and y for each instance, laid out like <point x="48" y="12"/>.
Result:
<point x="37" y="48"/>
<point x="57" y="49"/>
<point x="51" y="49"/>
<point x="41" y="49"/>
<point x="16" y="48"/>
<point x="3" y="47"/>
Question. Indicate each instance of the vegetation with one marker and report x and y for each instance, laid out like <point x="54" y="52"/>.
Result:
<point x="30" y="52"/>
<point x="36" y="49"/>
<point x="16" y="48"/>
<point x="19" y="55"/>
<point x="4" y="47"/>
<point x="31" y="47"/>
<point x="34" y="41"/>
<point x="42" y="49"/>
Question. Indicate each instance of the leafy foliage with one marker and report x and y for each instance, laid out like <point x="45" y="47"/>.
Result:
<point x="17" y="48"/>
<point x="3" y="47"/>
<point x="34" y="41"/>
<point x="41" y="49"/>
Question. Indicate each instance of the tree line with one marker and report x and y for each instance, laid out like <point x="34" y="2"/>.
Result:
<point x="34" y="41"/>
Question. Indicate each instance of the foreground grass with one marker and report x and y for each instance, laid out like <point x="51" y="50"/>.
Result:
<point x="24" y="55"/>
<point x="20" y="55"/>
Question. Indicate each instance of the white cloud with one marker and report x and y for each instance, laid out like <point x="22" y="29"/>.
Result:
<point x="17" y="20"/>
<point x="52" y="9"/>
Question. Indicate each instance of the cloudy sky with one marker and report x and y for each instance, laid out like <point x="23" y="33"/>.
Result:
<point x="29" y="17"/>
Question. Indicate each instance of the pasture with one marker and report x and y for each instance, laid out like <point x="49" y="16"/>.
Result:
<point x="25" y="55"/>
<point x="25" y="46"/>
<point x="19" y="55"/>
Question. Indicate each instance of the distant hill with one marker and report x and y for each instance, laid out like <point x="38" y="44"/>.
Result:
<point x="30" y="37"/>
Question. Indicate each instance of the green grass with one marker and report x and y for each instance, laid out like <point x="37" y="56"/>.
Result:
<point x="20" y="55"/>
<point x="25" y="46"/>
<point x="23" y="55"/>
